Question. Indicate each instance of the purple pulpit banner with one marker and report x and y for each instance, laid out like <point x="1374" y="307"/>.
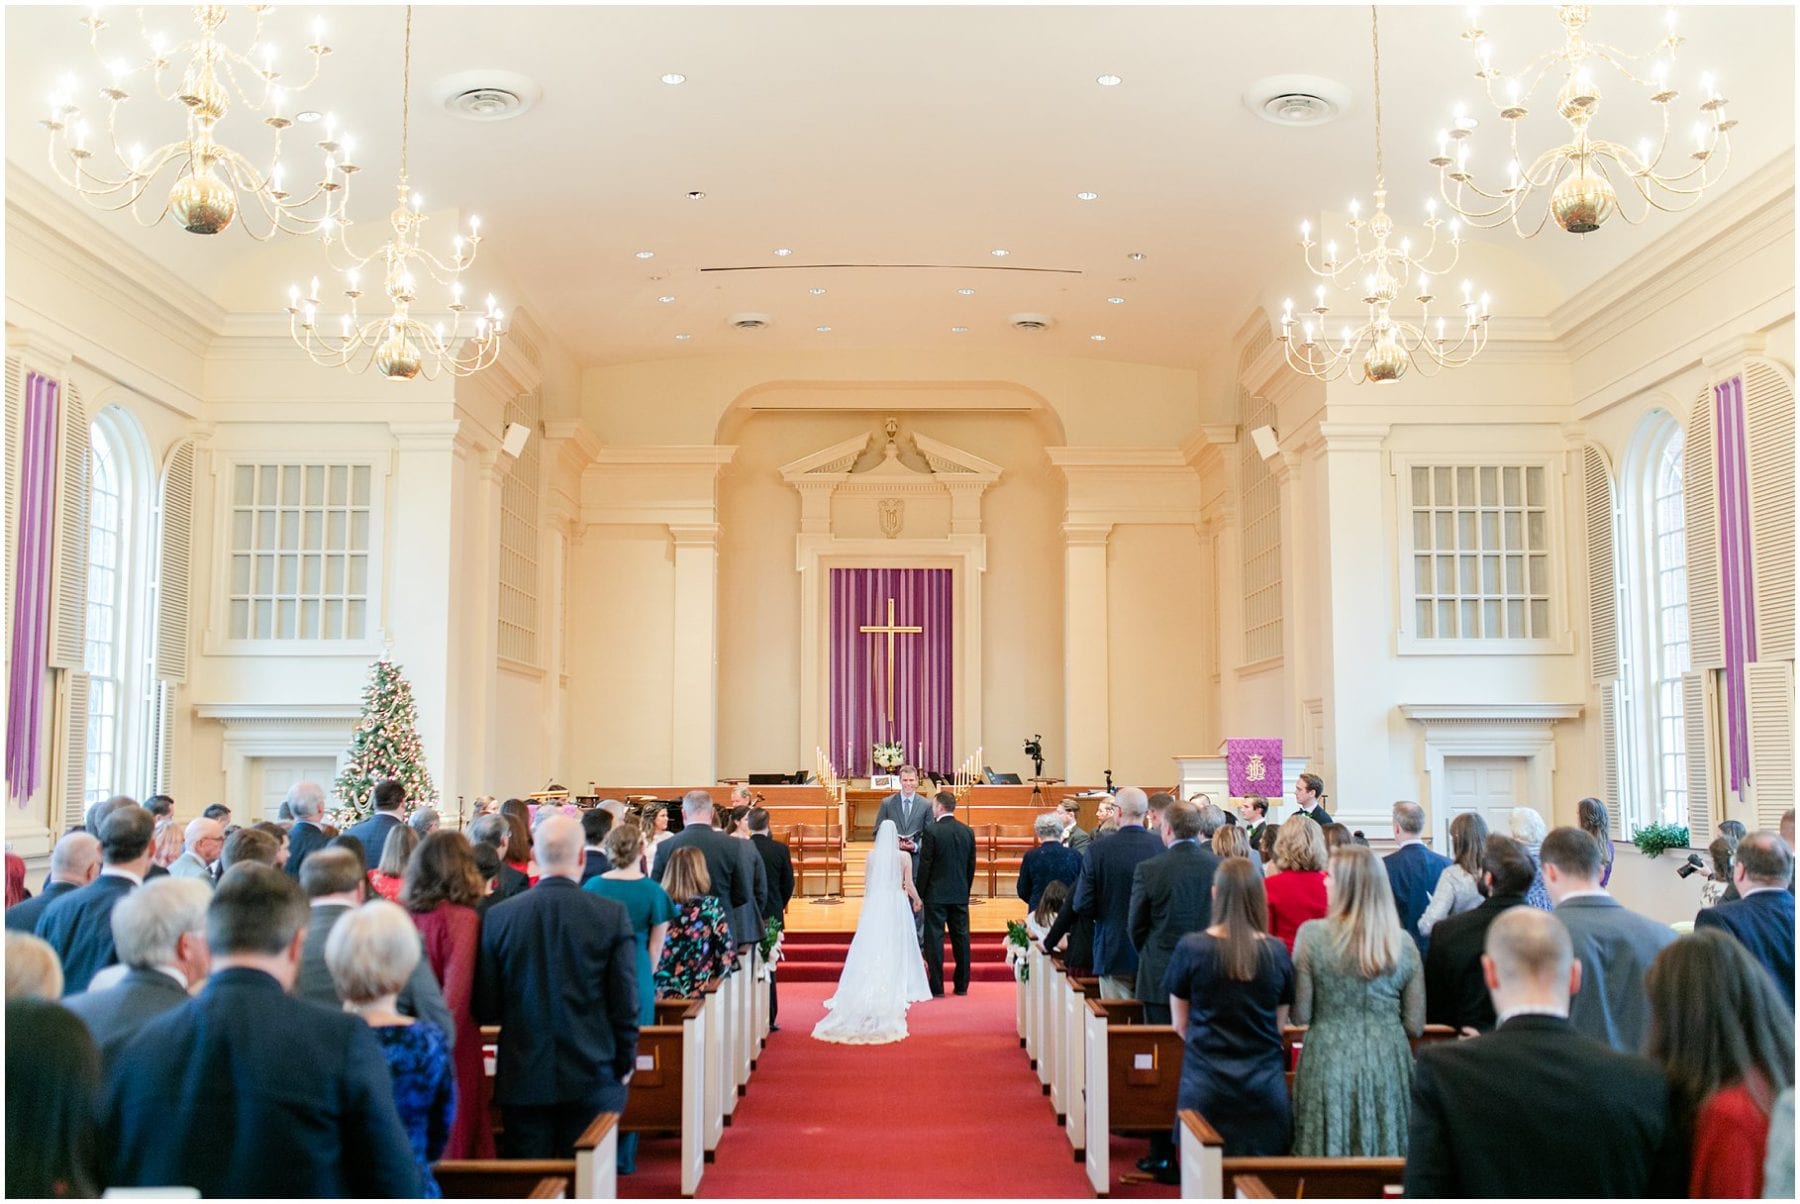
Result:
<point x="1253" y="766"/>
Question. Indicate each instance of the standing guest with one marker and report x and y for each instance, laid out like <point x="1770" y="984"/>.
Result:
<point x="747" y="921"/>
<point x="247" y="1091"/>
<point x="52" y="1081"/>
<point x="1734" y="832"/>
<point x="1336" y="836"/>
<point x="442" y="889"/>
<point x="1265" y="846"/>
<point x="1229" y="987"/>
<point x="98" y="813"/>
<point x="307" y="802"/>
<point x="1725" y="1038"/>
<point x="333" y="881"/>
<point x="32" y="971"/>
<point x="1074" y="836"/>
<point x="160" y="933"/>
<point x="559" y="976"/>
<point x="79" y="925"/>
<point x="74" y="862"/>
<point x="946" y="873"/>
<point x="517" y="814"/>
<point x="1528" y="829"/>
<point x="218" y="811"/>
<point x="372" y="954"/>
<point x="205" y="840"/>
<point x="283" y="846"/>
<point x="389" y="798"/>
<point x="487" y="863"/>
<point x="161" y="806"/>
<point x="1296" y="890"/>
<point x="1254" y="812"/>
<point x="496" y="832"/>
<point x="595" y="825"/>
<point x="778" y="864"/>
<point x="1456" y="992"/>
<point x="1762" y="917"/>
<point x="1459" y="887"/>
<point x="717" y="849"/>
<point x="1231" y="841"/>
<point x="1039" y="919"/>
<point x="648" y="907"/>
<point x="1535" y="1109"/>
<point x="1103" y="895"/>
<point x="424" y="821"/>
<point x="1358" y="983"/>
<point x="16" y="893"/>
<point x="166" y="845"/>
<point x="390" y="872"/>
<point x="698" y="946"/>
<point x="1613" y="945"/>
<point x="1051" y="861"/>
<point x="249" y="844"/>
<point x="1309" y="797"/>
<point x="1413" y="870"/>
<point x="655" y="822"/>
<point x="1591" y="817"/>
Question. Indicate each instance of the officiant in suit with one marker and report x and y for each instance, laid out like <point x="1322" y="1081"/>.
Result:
<point x="946" y="874"/>
<point x="909" y="810"/>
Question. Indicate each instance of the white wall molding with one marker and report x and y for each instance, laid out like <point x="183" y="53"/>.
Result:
<point x="254" y="730"/>
<point x="1128" y="486"/>
<point x="1523" y="730"/>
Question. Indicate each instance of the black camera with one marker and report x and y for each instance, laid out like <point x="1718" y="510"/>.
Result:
<point x="1693" y="865"/>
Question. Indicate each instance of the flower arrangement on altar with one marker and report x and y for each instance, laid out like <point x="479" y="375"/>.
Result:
<point x="887" y="754"/>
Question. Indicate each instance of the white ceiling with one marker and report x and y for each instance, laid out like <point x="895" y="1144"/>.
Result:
<point x="917" y="135"/>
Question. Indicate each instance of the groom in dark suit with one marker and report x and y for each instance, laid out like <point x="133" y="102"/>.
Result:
<point x="946" y="872"/>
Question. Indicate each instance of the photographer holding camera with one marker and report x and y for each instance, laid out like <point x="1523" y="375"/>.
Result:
<point x="1718" y="887"/>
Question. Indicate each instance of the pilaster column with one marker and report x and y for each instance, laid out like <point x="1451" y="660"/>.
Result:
<point x="1087" y="706"/>
<point x="423" y="582"/>
<point x="1359" y="618"/>
<point x="694" y="719"/>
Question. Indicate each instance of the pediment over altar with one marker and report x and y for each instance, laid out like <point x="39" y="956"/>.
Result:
<point x="846" y="492"/>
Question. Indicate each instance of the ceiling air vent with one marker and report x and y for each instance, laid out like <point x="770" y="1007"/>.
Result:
<point x="1030" y="321"/>
<point x="485" y="104"/>
<point x="749" y="321"/>
<point x="486" y="94"/>
<point x="1297" y="99"/>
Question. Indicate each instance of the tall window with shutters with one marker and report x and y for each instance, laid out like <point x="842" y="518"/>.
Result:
<point x="114" y="647"/>
<point x="1658" y="619"/>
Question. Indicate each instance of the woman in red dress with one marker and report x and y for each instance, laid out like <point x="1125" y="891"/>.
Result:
<point x="442" y="888"/>
<point x="1296" y="890"/>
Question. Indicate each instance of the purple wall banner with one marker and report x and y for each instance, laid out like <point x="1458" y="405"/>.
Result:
<point x="31" y="588"/>
<point x="923" y="685"/>
<point x="1737" y="580"/>
<point x="1253" y="766"/>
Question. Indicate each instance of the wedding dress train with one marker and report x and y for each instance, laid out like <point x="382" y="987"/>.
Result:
<point x="884" y="973"/>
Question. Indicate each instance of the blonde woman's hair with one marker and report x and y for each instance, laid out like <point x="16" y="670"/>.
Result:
<point x="372" y="951"/>
<point x="685" y="877"/>
<point x="1230" y="841"/>
<point x="1362" y="916"/>
<point x="1300" y="845"/>
<point x="32" y="968"/>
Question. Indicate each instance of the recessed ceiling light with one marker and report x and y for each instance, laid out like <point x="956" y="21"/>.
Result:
<point x="673" y="78"/>
<point x="1109" y="81"/>
<point x="965" y="292"/>
<point x="784" y="252"/>
<point x="666" y="299"/>
<point x="817" y="292"/>
<point x="1098" y="338"/>
<point x="308" y="116"/>
<point x="823" y="329"/>
<point x="696" y="195"/>
<point x="1135" y="256"/>
<point x="1087" y="196"/>
<point x="682" y="338"/>
<point x="1115" y="300"/>
<point x="959" y="330"/>
<point x="646" y="254"/>
<point x="1000" y="252"/>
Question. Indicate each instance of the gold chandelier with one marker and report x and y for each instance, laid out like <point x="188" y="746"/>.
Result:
<point x="212" y="180"/>
<point x="1382" y="346"/>
<point x="398" y="344"/>
<point x="1581" y="179"/>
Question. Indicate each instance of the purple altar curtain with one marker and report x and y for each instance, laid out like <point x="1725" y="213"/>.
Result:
<point x="31" y="588"/>
<point x="924" y="681"/>
<point x="1738" y="582"/>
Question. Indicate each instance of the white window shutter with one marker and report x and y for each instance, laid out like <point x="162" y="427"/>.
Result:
<point x="69" y="569"/>
<point x="162" y="738"/>
<point x="71" y="743"/>
<point x="175" y="522"/>
<point x="1771" y="699"/>
<point x="1700" y="734"/>
<point x="1603" y="575"/>
<point x="1706" y="630"/>
<point x="1769" y="423"/>
<point x="1609" y="751"/>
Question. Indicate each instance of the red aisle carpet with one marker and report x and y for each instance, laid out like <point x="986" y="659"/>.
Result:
<point x="954" y="1111"/>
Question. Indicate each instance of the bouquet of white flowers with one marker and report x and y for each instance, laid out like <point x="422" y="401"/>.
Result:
<point x="887" y="754"/>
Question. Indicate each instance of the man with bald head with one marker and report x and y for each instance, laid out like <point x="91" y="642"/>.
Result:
<point x="558" y="974"/>
<point x="74" y="863"/>
<point x="1103" y="895"/>
<point x="1536" y="1109"/>
<point x="205" y="840"/>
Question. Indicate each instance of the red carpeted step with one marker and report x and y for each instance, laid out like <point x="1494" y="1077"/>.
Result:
<point x="819" y="957"/>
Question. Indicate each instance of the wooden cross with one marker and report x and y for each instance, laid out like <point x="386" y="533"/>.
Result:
<point x="890" y="630"/>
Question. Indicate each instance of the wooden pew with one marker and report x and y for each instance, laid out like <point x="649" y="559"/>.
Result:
<point x="1133" y="1076"/>
<point x="591" y="1175"/>
<point x="1293" y="1044"/>
<point x="1076" y="993"/>
<point x="713" y="1007"/>
<point x="1055" y="1057"/>
<point x="1249" y="1187"/>
<point x="1206" y="1174"/>
<point x="744" y="1016"/>
<point x="668" y="1088"/>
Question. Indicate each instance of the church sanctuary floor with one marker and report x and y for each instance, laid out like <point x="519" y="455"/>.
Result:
<point x="806" y="914"/>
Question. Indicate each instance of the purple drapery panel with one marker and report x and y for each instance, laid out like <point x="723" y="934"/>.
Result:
<point x="31" y="588"/>
<point x="924" y="683"/>
<point x="1738" y="592"/>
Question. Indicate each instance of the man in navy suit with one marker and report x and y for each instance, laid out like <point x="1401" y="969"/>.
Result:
<point x="74" y="863"/>
<point x="79" y="925"/>
<point x="1051" y="861"/>
<point x="558" y="974"/>
<point x="160" y="931"/>
<point x="1412" y="869"/>
<point x="1103" y="895"/>
<point x="389" y="797"/>
<point x="1762" y="916"/>
<point x="596" y="825"/>
<point x="247" y="1091"/>
<point x="306" y="801"/>
<point x="723" y="859"/>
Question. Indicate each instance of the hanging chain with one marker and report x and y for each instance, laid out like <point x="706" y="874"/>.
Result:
<point x="1375" y="41"/>
<point x="406" y="93"/>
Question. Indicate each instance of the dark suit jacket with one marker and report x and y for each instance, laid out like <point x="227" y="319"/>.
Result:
<point x="1413" y="872"/>
<point x="747" y="920"/>
<point x="79" y="927"/>
<point x="778" y="864"/>
<point x="558" y="974"/>
<point x="420" y="997"/>
<point x="247" y="1091"/>
<point x="1254" y="834"/>
<point x="1050" y="862"/>
<point x="1321" y="816"/>
<point x="721" y="854"/>
<point x="373" y="832"/>
<point x="1763" y="923"/>
<point x="1103" y="895"/>
<point x="1171" y="896"/>
<point x="1455" y="993"/>
<point x="115" y="1015"/>
<point x="946" y="862"/>
<point x="1536" y="1109"/>
<point x="510" y="883"/>
<point x="303" y="838"/>
<point x="23" y="917"/>
<point x="1615" y="947"/>
<point x="596" y="864"/>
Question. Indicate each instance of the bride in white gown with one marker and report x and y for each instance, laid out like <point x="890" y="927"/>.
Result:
<point x="884" y="972"/>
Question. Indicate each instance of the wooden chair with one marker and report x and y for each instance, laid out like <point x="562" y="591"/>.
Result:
<point x="817" y="849"/>
<point x="1010" y="844"/>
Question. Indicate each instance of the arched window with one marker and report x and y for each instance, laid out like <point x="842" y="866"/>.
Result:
<point x="117" y="484"/>
<point x="1658" y="614"/>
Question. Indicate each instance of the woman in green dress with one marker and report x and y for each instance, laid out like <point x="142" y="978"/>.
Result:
<point x="1359" y="985"/>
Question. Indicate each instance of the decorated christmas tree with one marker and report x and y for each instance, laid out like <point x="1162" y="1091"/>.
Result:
<point x="386" y="745"/>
